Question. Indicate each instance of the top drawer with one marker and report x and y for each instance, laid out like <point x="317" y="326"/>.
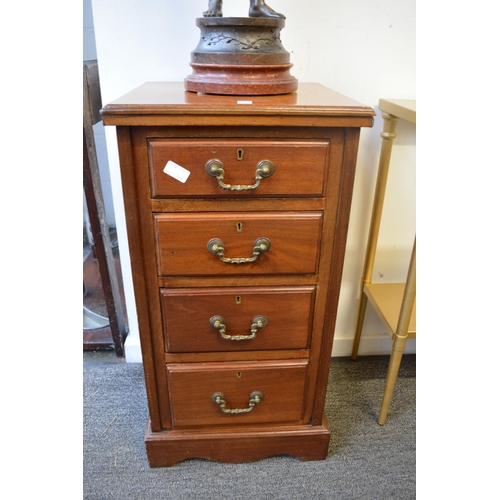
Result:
<point x="291" y="168"/>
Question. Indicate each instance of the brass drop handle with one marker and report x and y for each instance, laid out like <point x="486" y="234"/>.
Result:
<point x="216" y="246"/>
<point x="219" y="323"/>
<point x="215" y="168"/>
<point x="220" y="399"/>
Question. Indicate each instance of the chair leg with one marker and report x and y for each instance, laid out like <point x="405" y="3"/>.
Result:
<point x="398" y="346"/>
<point x="359" y="326"/>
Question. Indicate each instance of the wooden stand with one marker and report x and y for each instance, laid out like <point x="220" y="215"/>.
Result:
<point x="237" y="218"/>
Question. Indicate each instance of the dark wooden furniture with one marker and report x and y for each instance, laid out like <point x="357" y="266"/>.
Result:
<point x="104" y="280"/>
<point x="237" y="268"/>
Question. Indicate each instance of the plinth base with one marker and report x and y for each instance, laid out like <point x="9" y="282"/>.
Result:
<point x="243" y="79"/>
<point x="240" y="56"/>
<point x="237" y="444"/>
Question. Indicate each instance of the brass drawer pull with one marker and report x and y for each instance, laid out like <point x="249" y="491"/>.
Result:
<point x="219" y="323"/>
<point x="220" y="399"/>
<point x="215" y="168"/>
<point x="216" y="246"/>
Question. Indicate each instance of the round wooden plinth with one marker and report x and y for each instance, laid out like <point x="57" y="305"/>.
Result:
<point x="241" y="79"/>
<point x="240" y="56"/>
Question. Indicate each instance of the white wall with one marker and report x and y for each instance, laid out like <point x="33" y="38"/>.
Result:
<point x="362" y="48"/>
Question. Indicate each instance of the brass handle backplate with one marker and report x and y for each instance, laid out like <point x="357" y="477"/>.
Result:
<point x="215" y="168"/>
<point x="216" y="246"/>
<point x="219" y="323"/>
<point x="220" y="399"/>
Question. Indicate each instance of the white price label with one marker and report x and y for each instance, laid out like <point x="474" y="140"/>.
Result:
<point x="176" y="171"/>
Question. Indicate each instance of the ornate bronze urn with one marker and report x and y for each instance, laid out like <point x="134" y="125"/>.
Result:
<point x="241" y="56"/>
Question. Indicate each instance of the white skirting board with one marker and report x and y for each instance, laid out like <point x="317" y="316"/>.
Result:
<point x="372" y="345"/>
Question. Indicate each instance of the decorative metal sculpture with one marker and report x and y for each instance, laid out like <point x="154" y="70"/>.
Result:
<point x="257" y="8"/>
<point x="240" y="56"/>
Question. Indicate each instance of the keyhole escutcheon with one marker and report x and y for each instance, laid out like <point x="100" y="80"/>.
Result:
<point x="239" y="154"/>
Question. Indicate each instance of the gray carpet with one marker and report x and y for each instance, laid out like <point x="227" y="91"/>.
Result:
<point x="365" y="460"/>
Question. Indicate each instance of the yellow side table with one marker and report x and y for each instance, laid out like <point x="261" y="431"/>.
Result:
<point x="394" y="303"/>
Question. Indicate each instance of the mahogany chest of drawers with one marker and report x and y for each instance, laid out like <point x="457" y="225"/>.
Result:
<point x="237" y="212"/>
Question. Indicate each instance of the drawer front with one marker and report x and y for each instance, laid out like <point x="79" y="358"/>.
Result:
<point x="193" y="386"/>
<point x="299" y="167"/>
<point x="198" y="244"/>
<point x="236" y="319"/>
